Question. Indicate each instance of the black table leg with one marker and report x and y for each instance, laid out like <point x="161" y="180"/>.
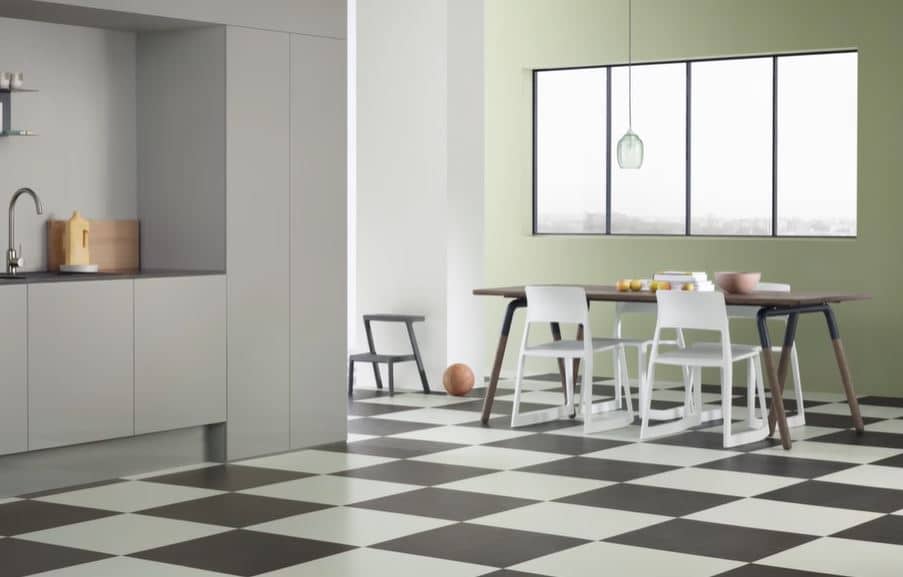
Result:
<point x="513" y="305"/>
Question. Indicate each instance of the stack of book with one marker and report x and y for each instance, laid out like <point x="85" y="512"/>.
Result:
<point x="678" y="279"/>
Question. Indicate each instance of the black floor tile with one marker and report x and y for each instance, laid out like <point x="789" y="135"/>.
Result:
<point x="887" y="529"/>
<point x="19" y="558"/>
<point x="835" y="421"/>
<point x="444" y="504"/>
<point x="557" y="444"/>
<point x="372" y="409"/>
<point x="233" y="510"/>
<point x="782" y="466"/>
<point x="712" y="539"/>
<point x="415" y="472"/>
<point x="510" y="573"/>
<point x="482" y="545"/>
<point x="840" y="495"/>
<point x="600" y="469"/>
<point x="26" y="516"/>
<point x="881" y="401"/>
<point x="654" y="500"/>
<point x="242" y="552"/>
<point x="704" y="440"/>
<point x="367" y="426"/>
<point x="57" y="491"/>
<point x="867" y="438"/>
<point x="505" y="423"/>
<point x="498" y="407"/>
<point x="228" y="477"/>
<point x="390" y="447"/>
<point x="753" y="570"/>
<point x="895" y="461"/>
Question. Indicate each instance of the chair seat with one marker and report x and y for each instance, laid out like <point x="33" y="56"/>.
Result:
<point x="705" y="354"/>
<point x="574" y="349"/>
<point x="380" y="358"/>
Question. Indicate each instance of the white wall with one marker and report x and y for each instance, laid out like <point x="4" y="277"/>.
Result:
<point x="419" y="178"/>
<point x="84" y="156"/>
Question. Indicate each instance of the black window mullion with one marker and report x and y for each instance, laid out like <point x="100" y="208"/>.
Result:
<point x="774" y="146"/>
<point x="608" y="150"/>
<point x="688" y="157"/>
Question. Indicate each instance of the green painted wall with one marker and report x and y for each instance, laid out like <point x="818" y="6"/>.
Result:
<point x="525" y="34"/>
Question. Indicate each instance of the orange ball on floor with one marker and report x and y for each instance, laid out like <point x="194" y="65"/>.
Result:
<point x="458" y="379"/>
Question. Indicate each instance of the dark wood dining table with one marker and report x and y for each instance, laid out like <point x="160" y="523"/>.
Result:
<point x="770" y="304"/>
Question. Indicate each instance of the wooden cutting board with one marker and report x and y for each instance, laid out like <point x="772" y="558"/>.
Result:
<point x="114" y="245"/>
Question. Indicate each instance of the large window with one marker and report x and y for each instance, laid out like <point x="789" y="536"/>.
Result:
<point x="757" y="146"/>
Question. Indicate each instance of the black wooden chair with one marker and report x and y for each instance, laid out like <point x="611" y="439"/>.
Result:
<point x="375" y="358"/>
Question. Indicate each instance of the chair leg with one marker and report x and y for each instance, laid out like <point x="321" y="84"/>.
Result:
<point x="391" y="378"/>
<point x="646" y="398"/>
<point x="350" y="378"/>
<point x="627" y="397"/>
<point x="641" y="374"/>
<point x="799" y="419"/>
<point x="377" y="376"/>
<point x="727" y="396"/>
<point x="616" y="367"/>
<point x="750" y="394"/>
<point x="518" y="380"/>
<point x="758" y="430"/>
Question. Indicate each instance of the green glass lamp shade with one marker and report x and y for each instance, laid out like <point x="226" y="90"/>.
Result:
<point x="630" y="151"/>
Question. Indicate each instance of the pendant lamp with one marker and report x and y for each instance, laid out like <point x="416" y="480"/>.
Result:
<point x="630" y="147"/>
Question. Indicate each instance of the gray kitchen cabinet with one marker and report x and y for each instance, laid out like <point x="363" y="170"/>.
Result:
<point x="319" y="242"/>
<point x="14" y="379"/>
<point x="180" y="352"/>
<point x="80" y="362"/>
<point x="257" y="242"/>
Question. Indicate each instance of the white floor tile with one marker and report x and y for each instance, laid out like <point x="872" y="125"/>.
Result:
<point x="869" y="476"/>
<point x="630" y="433"/>
<point x="123" y="534"/>
<point x="817" y="396"/>
<point x="416" y="400"/>
<point x="547" y="397"/>
<point x="377" y="563"/>
<point x="351" y="526"/>
<point x="170" y="471"/>
<point x="778" y="515"/>
<point x="796" y="433"/>
<point x="434" y="416"/>
<point x="662" y="454"/>
<point x="833" y="452"/>
<point x="313" y="461"/>
<point x="354" y="437"/>
<point x="677" y="396"/>
<point x="331" y="490"/>
<point x="627" y="561"/>
<point x="6" y="500"/>
<point x="715" y="481"/>
<point x="537" y="486"/>
<point x="841" y="557"/>
<point x="128" y="567"/>
<point x="568" y="520"/>
<point x="461" y="435"/>
<point x="129" y="496"/>
<point x="876" y="411"/>
<point x="893" y="426"/>
<point x="490" y="457"/>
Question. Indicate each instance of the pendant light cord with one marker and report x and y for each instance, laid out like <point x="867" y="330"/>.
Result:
<point x="630" y="65"/>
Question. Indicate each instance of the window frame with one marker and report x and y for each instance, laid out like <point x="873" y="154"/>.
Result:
<point x="689" y="165"/>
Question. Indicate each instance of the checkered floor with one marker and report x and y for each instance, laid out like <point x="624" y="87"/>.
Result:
<point x="421" y="489"/>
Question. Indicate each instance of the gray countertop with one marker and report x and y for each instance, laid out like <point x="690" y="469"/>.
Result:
<point x="32" y="277"/>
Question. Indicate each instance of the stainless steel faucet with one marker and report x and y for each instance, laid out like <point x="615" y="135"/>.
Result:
<point x="14" y="259"/>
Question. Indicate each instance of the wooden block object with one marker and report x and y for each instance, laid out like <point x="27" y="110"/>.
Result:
<point x="114" y="245"/>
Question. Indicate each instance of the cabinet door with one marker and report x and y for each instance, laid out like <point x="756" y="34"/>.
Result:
<point x="319" y="241"/>
<point x="80" y="371"/>
<point x="257" y="242"/>
<point x="180" y="352"/>
<point x="13" y="361"/>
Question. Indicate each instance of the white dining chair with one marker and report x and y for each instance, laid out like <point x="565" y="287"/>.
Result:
<point x="568" y="305"/>
<point x="703" y="311"/>
<point x="750" y="313"/>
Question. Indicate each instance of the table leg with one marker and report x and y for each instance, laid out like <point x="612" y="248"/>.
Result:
<point x="771" y="376"/>
<point x="556" y="336"/>
<point x="844" y="369"/>
<point x="500" y="357"/>
<point x="784" y="364"/>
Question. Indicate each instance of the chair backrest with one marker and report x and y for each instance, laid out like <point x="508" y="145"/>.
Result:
<point x="692" y="310"/>
<point x="557" y="304"/>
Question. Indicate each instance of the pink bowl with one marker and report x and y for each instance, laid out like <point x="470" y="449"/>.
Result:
<point x="738" y="282"/>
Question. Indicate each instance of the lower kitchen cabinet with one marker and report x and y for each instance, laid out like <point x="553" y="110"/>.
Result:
<point x="13" y="363"/>
<point x="180" y="352"/>
<point x="80" y="362"/>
